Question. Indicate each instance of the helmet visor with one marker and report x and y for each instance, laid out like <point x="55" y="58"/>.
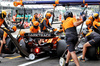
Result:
<point x="4" y="16"/>
<point x="35" y="27"/>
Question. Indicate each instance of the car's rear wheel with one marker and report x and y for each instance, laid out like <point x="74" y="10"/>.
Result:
<point x="11" y="48"/>
<point x="23" y="46"/>
<point x="91" y="53"/>
<point x="61" y="47"/>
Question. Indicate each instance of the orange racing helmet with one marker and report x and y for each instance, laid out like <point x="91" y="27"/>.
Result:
<point x="36" y="23"/>
<point x="88" y="22"/>
<point x="22" y="33"/>
<point x="48" y="15"/>
<point x="91" y="18"/>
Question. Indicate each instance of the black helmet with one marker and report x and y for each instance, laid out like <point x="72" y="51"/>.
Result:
<point x="68" y="14"/>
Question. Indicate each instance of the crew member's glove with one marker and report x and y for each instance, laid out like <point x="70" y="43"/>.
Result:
<point x="82" y="13"/>
<point x="84" y="18"/>
<point x="51" y="29"/>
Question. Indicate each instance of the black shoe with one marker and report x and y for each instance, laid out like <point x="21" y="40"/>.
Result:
<point x="1" y="57"/>
<point x="66" y="64"/>
<point x="82" y="60"/>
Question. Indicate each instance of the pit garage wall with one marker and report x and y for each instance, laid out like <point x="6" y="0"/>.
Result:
<point x="25" y="0"/>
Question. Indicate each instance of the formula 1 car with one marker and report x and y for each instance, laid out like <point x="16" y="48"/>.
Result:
<point x="52" y="45"/>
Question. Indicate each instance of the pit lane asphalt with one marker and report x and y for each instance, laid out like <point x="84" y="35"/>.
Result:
<point x="17" y="60"/>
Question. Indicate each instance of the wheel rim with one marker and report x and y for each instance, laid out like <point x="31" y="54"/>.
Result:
<point x="61" y="61"/>
<point x="31" y="56"/>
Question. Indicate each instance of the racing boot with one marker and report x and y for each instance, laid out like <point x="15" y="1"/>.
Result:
<point x="82" y="60"/>
<point x="66" y="64"/>
<point x="1" y="57"/>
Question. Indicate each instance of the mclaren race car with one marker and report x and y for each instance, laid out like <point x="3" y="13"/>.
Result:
<point x="52" y="45"/>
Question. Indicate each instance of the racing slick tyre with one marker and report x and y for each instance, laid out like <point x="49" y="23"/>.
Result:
<point x="23" y="46"/>
<point x="91" y="53"/>
<point x="61" y="47"/>
<point x="11" y="48"/>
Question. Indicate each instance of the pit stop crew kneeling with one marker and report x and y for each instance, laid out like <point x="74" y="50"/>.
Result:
<point x="93" y="22"/>
<point x="91" y="39"/>
<point x="3" y="36"/>
<point x="35" y="29"/>
<point x="70" y="25"/>
<point x="2" y="21"/>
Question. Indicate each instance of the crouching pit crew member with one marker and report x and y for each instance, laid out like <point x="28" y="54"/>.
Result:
<point x="44" y="25"/>
<point x="91" y="39"/>
<point x="35" y="29"/>
<point x="93" y="22"/>
<point x="70" y="25"/>
<point x="3" y="36"/>
<point x="2" y="21"/>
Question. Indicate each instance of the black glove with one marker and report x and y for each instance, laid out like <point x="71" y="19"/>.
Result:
<point x="92" y="27"/>
<point x="51" y="28"/>
<point x="82" y="13"/>
<point x="84" y="18"/>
